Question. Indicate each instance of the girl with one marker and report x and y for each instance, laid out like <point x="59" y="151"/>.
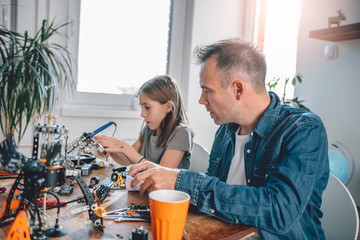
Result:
<point x="165" y="139"/>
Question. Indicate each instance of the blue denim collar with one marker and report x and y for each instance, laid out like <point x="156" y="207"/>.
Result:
<point x="267" y="122"/>
<point x="270" y="117"/>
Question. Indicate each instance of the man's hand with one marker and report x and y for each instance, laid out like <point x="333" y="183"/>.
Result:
<point x="154" y="176"/>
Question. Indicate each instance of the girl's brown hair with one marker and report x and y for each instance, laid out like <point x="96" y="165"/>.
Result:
<point x="162" y="89"/>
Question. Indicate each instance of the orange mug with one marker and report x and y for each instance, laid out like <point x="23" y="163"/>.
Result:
<point x="168" y="209"/>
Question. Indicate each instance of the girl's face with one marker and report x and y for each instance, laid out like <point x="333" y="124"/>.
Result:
<point x="153" y="112"/>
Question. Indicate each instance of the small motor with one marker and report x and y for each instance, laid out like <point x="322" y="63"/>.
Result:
<point x="139" y="234"/>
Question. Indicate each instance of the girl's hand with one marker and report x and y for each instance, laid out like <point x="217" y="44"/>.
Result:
<point x="112" y="145"/>
<point x="116" y="148"/>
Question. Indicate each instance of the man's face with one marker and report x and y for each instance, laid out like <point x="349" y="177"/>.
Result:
<point x="217" y="100"/>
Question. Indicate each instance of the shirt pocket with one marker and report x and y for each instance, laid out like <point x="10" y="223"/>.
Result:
<point x="214" y="162"/>
<point x="261" y="174"/>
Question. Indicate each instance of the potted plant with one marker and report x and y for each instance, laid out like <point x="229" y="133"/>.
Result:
<point x="31" y="72"/>
<point x="295" y="102"/>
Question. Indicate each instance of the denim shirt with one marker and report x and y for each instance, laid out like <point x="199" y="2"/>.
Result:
<point x="287" y="170"/>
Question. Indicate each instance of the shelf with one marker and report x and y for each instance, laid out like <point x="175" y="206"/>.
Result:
<point x="337" y="34"/>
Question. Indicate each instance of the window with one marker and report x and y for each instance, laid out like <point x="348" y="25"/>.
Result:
<point x="276" y="34"/>
<point x="121" y="44"/>
<point x="132" y="39"/>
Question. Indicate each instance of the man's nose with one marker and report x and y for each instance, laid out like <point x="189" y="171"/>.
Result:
<point x="203" y="99"/>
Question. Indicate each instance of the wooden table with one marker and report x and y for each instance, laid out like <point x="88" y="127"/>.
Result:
<point x="198" y="225"/>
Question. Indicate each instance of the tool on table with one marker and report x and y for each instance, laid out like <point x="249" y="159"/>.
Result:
<point x="87" y="163"/>
<point x="129" y="213"/>
<point x="86" y="140"/>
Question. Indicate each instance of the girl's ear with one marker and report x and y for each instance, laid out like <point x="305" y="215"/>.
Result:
<point x="169" y="106"/>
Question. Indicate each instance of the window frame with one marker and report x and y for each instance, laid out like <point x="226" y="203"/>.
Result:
<point x="81" y="104"/>
<point x="260" y="38"/>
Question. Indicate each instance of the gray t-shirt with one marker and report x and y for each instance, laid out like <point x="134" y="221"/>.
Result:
<point x="179" y="139"/>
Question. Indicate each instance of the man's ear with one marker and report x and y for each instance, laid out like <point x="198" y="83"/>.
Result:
<point x="238" y="87"/>
<point x="169" y="106"/>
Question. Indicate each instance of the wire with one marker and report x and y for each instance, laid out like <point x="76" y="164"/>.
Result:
<point x="67" y="202"/>
<point x="58" y="204"/>
<point x="114" y="129"/>
<point x="36" y="209"/>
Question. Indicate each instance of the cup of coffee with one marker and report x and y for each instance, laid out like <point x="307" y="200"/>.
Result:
<point x="168" y="209"/>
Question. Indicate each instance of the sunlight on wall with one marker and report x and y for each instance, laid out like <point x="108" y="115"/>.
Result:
<point x="280" y="41"/>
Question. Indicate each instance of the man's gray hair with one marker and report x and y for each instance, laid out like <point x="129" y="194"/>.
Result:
<point x="235" y="58"/>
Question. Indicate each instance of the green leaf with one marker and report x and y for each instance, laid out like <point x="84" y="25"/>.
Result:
<point x="31" y="73"/>
<point x="299" y="78"/>
<point x="294" y="101"/>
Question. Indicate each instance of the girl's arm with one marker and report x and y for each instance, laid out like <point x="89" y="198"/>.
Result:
<point x="172" y="158"/>
<point x="137" y="145"/>
<point x="120" y="151"/>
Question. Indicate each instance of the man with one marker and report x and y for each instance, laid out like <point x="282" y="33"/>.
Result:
<point x="268" y="166"/>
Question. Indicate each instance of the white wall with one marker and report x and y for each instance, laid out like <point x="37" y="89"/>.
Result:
<point x="331" y="87"/>
<point x="213" y="20"/>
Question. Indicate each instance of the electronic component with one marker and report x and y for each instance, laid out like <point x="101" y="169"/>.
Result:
<point x="93" y="181"/>
<point x="10" y="157"/>
<point x="66" y="189"/>
<point x="117" y="178"/>
<point x="83" y="158"/>
<point x="45" y="169"/>
<point x="94" y="165"/>
<point x="85" y="170"/>
<point x="139" y="234"/>
<point x="102" y="192"/>
<point x="51" y="203"/>
<point x="86" y="140"/>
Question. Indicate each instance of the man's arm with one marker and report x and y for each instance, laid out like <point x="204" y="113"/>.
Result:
<point x="280" y="203"/>
<point x="276" y="206"/>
